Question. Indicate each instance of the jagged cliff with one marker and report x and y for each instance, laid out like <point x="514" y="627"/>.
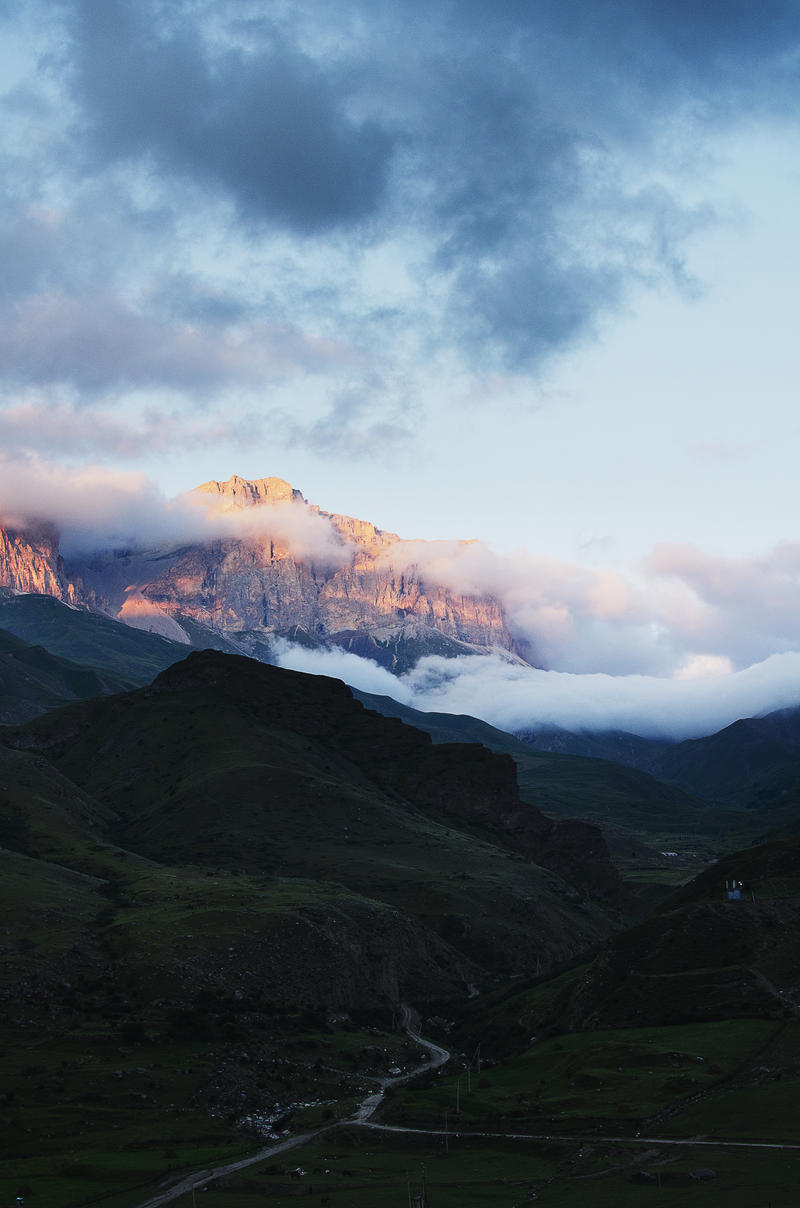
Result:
<point x="349" y="583"/>
<point x="30" y="562"/>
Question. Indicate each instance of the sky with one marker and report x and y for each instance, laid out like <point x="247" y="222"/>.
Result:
<point x="526" y="274"/>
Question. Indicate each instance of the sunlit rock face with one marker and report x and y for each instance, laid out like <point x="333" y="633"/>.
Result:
<point x="293" y="567"/>
<point x="30" y="562"/>
<point x="241" y="492"/>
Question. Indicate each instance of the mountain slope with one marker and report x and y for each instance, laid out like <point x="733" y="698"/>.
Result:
<point x="755" y="763"/>
<point x="32" y="680"/>
<point x="699" y="957"/>
<point x="30" y="561"/>
<point x="214" y="891"/>
<point x="638" y="814"/>
<point x="225" y="761"/>
<point x="132" y="657"/>
<point x="752" y="764"/>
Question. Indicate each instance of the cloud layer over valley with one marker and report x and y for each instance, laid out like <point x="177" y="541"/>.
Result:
<point x="520" y="699"/>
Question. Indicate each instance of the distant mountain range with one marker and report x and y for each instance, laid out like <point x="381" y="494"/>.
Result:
<point x="349" y="588"/>
<point x="752" y="764"/>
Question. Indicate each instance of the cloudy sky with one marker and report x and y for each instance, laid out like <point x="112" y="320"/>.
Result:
<point x="525" y="272"/>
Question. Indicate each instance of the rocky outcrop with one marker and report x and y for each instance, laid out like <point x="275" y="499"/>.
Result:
<point x="30" y="562"/>
<point x="241" y="492"/>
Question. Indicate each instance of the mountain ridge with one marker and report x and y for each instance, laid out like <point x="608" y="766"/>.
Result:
<point x="267" y="563"/>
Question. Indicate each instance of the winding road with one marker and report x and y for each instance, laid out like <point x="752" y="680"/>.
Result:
<point x="366" y="1109"/>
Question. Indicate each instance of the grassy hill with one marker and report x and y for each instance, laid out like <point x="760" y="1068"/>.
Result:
<point x="641" y="817"/>
<point x="225" y="761"/>
<point x="89" y="638"/>
<point x="752" y="764"/>
<point x="698" y="958"/>
<point x="33" y="681"/>
<point x="683" y="1028"/>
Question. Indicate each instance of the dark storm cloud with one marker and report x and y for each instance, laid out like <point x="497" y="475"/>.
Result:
<point x="96" y="345"/>
<point x="550" y="125"/>
<point x="528" y="157"/>
<point x="270" y="128"/>
<point x="645" y="33"/>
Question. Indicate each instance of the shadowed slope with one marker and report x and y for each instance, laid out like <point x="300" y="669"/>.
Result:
<point x="225" y="761"/>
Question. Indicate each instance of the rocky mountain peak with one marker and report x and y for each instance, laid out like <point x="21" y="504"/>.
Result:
<point x="244" y="492"/>
<point x="314" y="576"/>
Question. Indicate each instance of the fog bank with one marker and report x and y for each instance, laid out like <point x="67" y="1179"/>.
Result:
<point x="515" y="698"/>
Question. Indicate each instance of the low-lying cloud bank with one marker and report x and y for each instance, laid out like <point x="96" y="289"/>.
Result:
<point x="516" y="698"/>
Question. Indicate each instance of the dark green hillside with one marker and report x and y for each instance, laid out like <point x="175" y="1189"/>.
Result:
<point x="685" y="1027"/>
<point x="769" y="871"/>
<point x="639" y="815"/>
<point x="165" y="1018"/>
<point x="701" y="957"/>
<point x="225" y="761"/>
<point x="87" y="637"/>
<point x="651" y="1068"/>
<point x="752" y="764"/>
<point x="215" y="890"/>
<point x="446" y="727"/>
<point x="620" y="746"/>
<point x="32" y="680"/>
<point x="575" y="786"/>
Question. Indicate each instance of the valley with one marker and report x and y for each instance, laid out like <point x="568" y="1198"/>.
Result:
<point x="227" y="887"/>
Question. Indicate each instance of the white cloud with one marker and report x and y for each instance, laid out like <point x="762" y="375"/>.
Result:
<point x="516" y="698"/>
<point x="340" y="664"/>
<point x="704" y="666"/>
<point x="94" y="507"/>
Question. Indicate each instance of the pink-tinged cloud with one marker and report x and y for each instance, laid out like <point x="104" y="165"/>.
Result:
<point x="518" y="698"/>
<point x="704" y="666"/>
<point x="744" y="608"/>
<point x="96" y="507"/>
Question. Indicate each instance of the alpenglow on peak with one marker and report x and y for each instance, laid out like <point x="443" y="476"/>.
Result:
<point x="245" y="492"/>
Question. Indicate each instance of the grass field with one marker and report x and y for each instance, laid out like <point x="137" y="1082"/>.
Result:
<point x="627" y="1079"/>
<point x="363" y="1169"/>
<point x="576" y="1117"/>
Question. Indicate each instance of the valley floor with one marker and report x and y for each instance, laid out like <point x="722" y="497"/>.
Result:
<point x="717" y="1097"/>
